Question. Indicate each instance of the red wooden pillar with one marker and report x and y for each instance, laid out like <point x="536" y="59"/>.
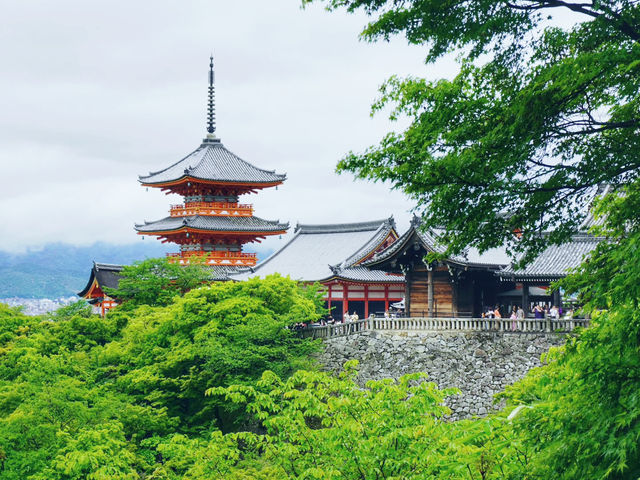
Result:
<point x="386" y="298"/>
<point x="329" y="300"/>
<point x="345" y="298"/>
<point x="366" y="301"/>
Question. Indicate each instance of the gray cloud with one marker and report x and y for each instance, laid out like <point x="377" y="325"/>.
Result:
<point x="95" y="93"/>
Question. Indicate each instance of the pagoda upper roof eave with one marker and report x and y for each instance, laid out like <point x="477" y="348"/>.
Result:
<point x="186" y="229"/>
<point x="214" y="162"/>
<point x="224" y="183"/>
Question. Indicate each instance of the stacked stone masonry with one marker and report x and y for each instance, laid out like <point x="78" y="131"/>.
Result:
<point x="479" y="364"/>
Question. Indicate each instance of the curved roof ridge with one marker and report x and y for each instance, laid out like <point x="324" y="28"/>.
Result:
<point x="221" y="145"/>
<point x="373" y="225"/>
<point x="107" y="266"/>
<point x="151" y="174"/>
<point x="380" y="234"/>
<point x="213" y="161"/>
<point x="387" y="252"/>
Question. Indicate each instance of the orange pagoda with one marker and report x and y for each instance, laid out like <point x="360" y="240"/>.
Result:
<point x="211" y="226"/>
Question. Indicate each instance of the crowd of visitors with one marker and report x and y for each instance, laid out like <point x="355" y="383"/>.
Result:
<point x="538" y="311"/>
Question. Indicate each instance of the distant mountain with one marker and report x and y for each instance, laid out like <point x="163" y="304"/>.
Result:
<point x="60" y="270"/>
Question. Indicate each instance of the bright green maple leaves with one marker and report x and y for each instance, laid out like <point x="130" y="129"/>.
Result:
<point x="88" y="398"/>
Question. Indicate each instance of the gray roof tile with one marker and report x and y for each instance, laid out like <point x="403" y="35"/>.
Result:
<point x="555" y="261"/>
<point x="315" y="250"/>
<point x="362" y="274"/>
<point x="212" y="161"/>
<point x="106" y="275"/>
<point x="214" y="224"/>
<point x="494" y="257"/>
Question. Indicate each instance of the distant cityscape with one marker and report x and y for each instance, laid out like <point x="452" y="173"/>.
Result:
<point x="39" y="306"/>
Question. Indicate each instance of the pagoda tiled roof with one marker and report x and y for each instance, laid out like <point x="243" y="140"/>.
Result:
<point x="316" y="252"/>
<point x="213" y="224"/>
<point x="555" y="261"/>
<point x="212" y="161"/>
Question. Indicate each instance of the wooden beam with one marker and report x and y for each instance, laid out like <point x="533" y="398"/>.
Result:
<point x="430" y="292"/>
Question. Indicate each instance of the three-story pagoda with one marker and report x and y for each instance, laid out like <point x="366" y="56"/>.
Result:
<point x="211" y="226"/>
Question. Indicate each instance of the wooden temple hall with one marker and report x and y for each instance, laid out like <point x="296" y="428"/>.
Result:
<point x="472" y="283"/>
<point x="364" y="267"/>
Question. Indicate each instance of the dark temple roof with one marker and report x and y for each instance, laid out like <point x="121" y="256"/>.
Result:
<point x="213" y="162"/>
<point x="214" y="224"/>
<point x="555" y="261"/>
<point x="105" y="274"/>
<point x="321" y="252"/>
<point x="108" y="275"/>
<point x="428" y="242"/>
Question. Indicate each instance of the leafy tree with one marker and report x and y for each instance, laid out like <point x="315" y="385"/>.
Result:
<point x="583" y="410"/>
<point x="537" y="116"/>
<point x="83" y="397"/>
<point x="217" y="335"/>
<point x="319" y="426"/>
<point x="156" y="281"/>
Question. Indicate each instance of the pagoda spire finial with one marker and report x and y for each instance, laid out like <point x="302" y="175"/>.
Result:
<point x="211" y="110"/>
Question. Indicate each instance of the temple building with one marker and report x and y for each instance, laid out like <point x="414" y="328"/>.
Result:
<point x="363" y="267"/>
<point x="103" y="275"/>
<point x="458" y="286"/>
<point x="532" y="282"/>
<point x="211" y="226"/>
<point x="469" y="284"/>
<point x="332" y="255"/>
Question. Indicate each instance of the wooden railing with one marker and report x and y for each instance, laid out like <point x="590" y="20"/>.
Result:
<point x="218" y="209"/>
<point x="504" y="325"/>
<point x="337" y="330"/>
<point x="214" y="258"/>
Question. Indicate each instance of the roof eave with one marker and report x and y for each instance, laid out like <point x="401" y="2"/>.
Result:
<point x="184" y="229"/>
<point x="208" y="181"/>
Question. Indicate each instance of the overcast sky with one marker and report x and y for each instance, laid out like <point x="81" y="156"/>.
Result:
<point x="95" y="93"/>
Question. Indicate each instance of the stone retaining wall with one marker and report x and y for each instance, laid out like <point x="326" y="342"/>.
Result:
<point x="479" y="364"/>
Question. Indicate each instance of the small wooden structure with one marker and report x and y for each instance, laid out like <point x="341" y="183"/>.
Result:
<point x="103" y="275"/>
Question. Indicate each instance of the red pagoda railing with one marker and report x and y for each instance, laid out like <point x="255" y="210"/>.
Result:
<point x="219" y="209"/>
<point x="214" y="258"/>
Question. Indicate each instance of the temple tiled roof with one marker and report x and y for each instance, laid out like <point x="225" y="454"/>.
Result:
<point x="220" y="273"/>
<point x="317" y="251"/>
<point x="213" y="162"/>
<point x="214" y="224"/>
<point x="494" y="258"/>
<point x="362" y="274"/>
<point x="106" y="275"/>
<point x="555" y="261"/>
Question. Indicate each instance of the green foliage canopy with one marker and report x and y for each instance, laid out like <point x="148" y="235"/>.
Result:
<point x="537" y="116"/>
<point x="156" y="282"/>
<point x="320" y="426"/>
<point x="82" y="397"/>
